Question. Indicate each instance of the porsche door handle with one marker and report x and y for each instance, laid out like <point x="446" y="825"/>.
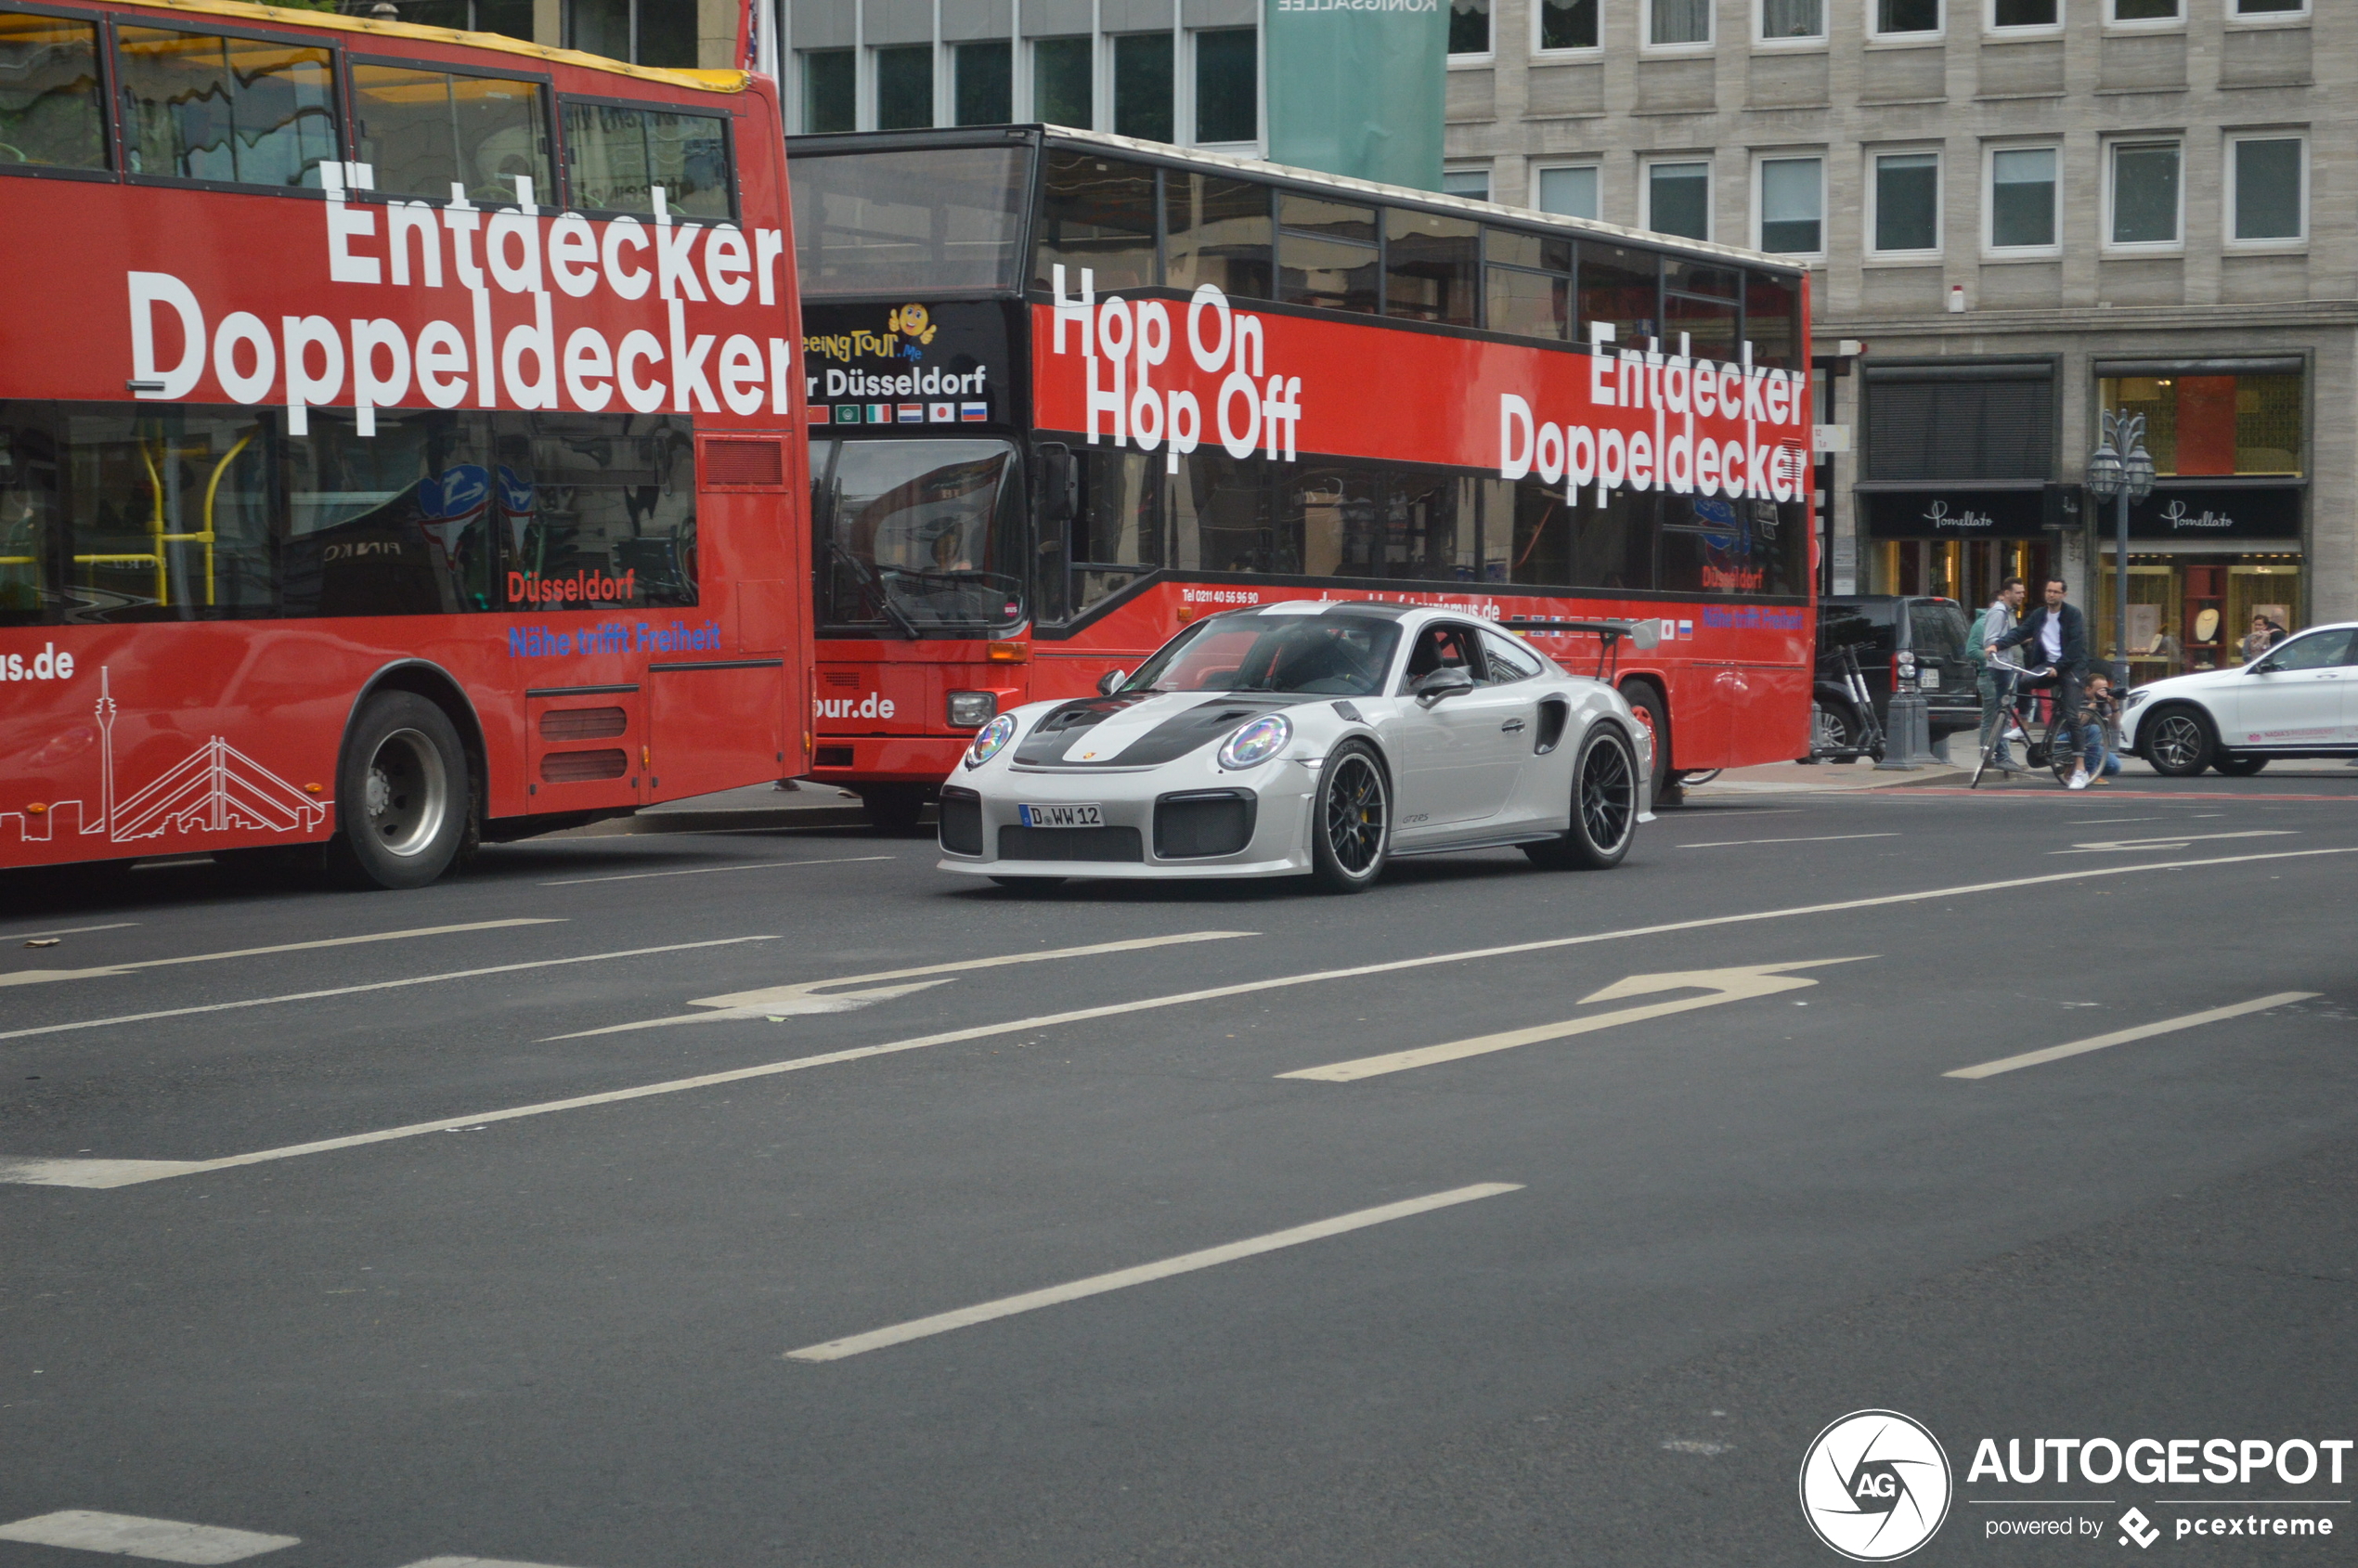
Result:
<point x="1511" y="726"/>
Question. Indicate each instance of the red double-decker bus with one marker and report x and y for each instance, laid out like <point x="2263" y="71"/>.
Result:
<point x="394" y="437"/>
<point x="1069" y="391"/>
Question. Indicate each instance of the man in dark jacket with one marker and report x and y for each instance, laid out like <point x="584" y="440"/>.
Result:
<point x="2057" y="634"/>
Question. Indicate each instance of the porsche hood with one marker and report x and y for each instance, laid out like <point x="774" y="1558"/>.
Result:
<point x="1143" y="730"/>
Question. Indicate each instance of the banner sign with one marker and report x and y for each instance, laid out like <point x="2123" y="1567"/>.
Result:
<point x="907" y="363"/>
<point x="2181" y="514"/>
<point x="1953" y="514"/>
<point x="1358" y="88"/>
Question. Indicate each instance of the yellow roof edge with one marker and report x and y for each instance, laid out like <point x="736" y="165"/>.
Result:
<point x="700" y="81"/>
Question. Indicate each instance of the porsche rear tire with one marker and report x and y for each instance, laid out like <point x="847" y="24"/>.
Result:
<point x="1350" y="820"/>
<point x="1604" y="807"/>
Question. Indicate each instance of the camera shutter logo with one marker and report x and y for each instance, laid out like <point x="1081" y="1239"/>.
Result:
<point x="1875" y="1485"/>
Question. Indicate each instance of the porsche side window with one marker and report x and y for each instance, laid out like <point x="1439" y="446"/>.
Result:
<point x="1509" y="660"/>
<point x="1442" y="647"/>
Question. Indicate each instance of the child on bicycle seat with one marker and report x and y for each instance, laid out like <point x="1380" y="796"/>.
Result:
<point x="2095" y="724"/>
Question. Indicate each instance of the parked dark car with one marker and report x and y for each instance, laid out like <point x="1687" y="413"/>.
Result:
<point x="1896" y="639"/>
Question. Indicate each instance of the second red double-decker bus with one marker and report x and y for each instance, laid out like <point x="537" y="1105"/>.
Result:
<point x="1069" y="391"/>
<point x="395" y="437"/>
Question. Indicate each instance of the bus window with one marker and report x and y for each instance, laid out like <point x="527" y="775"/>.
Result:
<point x="1326" y="253"/>
<point x="50" y="113"/>
<point x="1430" y="265"/>
<point x="1688" y="277"/>
<point x="918" y="536"/>
<point x="912" y="222"/>
<point x="166" y="511"/>
<point x="594" y="498"/>
<point x="31" y="480"/>
<point x="1619" y="284"/>
<point x="424" y="131"/>
<point x="1579" y="544"/>
<point x="1218" y="232"/>
<point x="240" y="110"/>
<point x="617" y="155"/>
<point x="1718" y="545"/>
<point x="1119" y="526"/>
<point x="1770" y="306"/>
<point x="1429" y="527"/>
<point x="1709" y="326"/>
<point x="1099" y="213"/>
<point x="1220" y="512"/>
<point x="1529" y="283"/>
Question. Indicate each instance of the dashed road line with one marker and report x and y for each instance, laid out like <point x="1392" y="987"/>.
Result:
<point x="708" y="869"/>
<point x="36" y="977"/>
<point x="157" y="1540"/>
<point x="1821" y="838"/>
<point x="68" y="930"/>
<point x="2122" y="1037"/>
<point x="2172" y="841"/>
<point x="1186" y="1262"/>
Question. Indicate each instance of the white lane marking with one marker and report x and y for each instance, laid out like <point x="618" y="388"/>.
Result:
<point x="372" y="985"/>
<point x="1822" y="838"/>
<point x="2122" y="1037"/>
<point x="805" y="996"/>
<point x="158" y="1540"/>
<point x="127" y="1173"/>
<point x="2099" y="822"/>
<point x="69" y="930"/>
<point x="703" y="870"/>
<point x="2176" y="841"/>
<point x="1725" y="985"/>
<point x="34" y="976"/>
<point x="1098" y="1283"/>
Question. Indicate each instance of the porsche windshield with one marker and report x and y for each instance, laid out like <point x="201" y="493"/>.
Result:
<point x="1323" y="654"/>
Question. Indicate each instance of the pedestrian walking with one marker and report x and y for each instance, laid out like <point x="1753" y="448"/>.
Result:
<point x="1992" y="623"/>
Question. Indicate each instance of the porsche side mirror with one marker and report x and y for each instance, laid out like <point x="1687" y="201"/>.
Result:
<point x="1110" y="682"/>
<point x="1444" y="682"/>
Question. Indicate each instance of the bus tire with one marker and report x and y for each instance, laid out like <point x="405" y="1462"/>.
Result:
<point x="1604" y="807"/>
<point x="403" y="798"/>
<point x="1654" y="715"/>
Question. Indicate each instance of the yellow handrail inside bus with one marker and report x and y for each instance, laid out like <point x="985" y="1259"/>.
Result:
<point x="205" y="536"/>
<point x="212" y="489"/>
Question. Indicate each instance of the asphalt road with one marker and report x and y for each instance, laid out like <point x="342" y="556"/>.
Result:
<point x="1590" y="1292"/>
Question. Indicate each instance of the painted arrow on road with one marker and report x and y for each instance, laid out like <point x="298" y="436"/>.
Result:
<point x="1722" y="985"/>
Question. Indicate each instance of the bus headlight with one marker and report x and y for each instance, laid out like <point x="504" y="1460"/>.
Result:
<point x="971" y="710"/>
<point x="992" y="741"/>
<point x="1257" y="741"/>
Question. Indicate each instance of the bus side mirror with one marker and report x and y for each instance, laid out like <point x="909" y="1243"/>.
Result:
<point x="1059" y="484"/>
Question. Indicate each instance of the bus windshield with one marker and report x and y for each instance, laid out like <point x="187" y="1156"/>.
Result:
<point x="945" y="218"/>
<point x="1322" y="655"/>
<point x="919" y="534"/>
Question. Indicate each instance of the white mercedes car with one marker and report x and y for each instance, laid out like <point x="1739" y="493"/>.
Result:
<point x="2297" y="699"/>
<point x="1315" y="738"/>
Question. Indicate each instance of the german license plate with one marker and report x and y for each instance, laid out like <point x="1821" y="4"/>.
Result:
<point x="1929" y="678"/>
<point x="1061" y="816"/>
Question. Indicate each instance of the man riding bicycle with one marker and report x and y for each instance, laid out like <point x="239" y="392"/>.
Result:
<point x="2058" y="634"/>
<point x="1995" y="697"/>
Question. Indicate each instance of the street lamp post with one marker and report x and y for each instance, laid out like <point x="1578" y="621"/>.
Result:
<point x="2121" y="470"/>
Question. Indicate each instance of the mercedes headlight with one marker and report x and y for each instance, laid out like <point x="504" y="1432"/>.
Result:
<point x="2132" y="699"/>
<point x="1257" y="741"/>
<point x="992" y="741"/>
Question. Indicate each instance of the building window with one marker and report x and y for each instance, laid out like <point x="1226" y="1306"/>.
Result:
<point x="982" y="87"/>
<point x="1670" y="23"/>
<point x="1061" y="90"/>
<point x="1899" y="18"/>
<point x="1793" y="207"/>
<point x="2144" y="201"/>
<point x="1142" y="73"/>
<point x="660" y="32"/>
<point x="905" y="87"/>
<point x="1227" y="85"/>
<point x="1568" y="24"/>
<point x="1468" y="27"/>
<point x="2146" y="10"/>
<point x="2008" y="15"/>
<point x="2271" y="9"/>
<point x="2268" y="179"/>
<point x="1571" y="193"/>
<point x="1906" y="203"/>
<point x="2022" y="198"/>
<point x="1472" y="184"/>
<point x="1788" y="20"/>
<point x="830" y="91"/>
<point x="2198" y="424"/>
<point x="1679" y="199"/>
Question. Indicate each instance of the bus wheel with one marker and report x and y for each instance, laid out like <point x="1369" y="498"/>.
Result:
<point x="893" y="809"/>
<point x="401" y="795"/>
<point x="1647" y="704"/>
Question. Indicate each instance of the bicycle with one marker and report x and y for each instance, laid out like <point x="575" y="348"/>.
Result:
<point x="2017" y="713"/>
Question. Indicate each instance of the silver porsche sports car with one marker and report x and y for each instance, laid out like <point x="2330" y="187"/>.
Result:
<point x="1313" y="738"/>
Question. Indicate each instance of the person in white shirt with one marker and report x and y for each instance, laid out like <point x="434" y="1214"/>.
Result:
<point x="1994" y="623"/>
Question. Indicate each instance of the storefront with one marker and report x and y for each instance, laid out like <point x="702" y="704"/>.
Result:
<point x="1957" y="543"/>
<point x="2220" y="541"/>
<point x="1957" y="490"/>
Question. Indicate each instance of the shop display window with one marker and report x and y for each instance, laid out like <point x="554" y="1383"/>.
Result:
<point x="2228" y="424"/>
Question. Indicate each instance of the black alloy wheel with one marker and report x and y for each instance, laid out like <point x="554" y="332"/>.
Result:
<point x="1604" y="807"/>
<point x="1350" y="830"/>
<point x="2238" y="765"/>
<point x="2177" y="743"/>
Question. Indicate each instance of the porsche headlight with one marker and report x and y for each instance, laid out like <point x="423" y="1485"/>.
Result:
<point x="1257" y="741"/>
<point x="991" y="741"/>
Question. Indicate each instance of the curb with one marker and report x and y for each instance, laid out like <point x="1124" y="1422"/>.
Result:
<point x="742" y="821"/>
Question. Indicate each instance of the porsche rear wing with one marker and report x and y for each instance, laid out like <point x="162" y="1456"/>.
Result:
<point x="1609" y="634"/>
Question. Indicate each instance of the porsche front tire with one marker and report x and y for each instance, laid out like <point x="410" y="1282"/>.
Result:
<point x="1350" y="820"/>
<point x="1604" y="807"/>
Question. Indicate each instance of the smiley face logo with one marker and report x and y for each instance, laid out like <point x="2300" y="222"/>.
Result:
<point x="914" y="322"/>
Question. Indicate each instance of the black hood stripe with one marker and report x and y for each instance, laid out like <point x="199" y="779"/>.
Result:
<point x="1167" y="741"/>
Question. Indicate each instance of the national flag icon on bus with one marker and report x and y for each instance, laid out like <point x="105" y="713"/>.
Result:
<point x="974" y="413"/>
<point x="819" y="413"/>
<point x="942" y="413"/>
<point x="846" y="413"/>
<point x="879" y="413"/>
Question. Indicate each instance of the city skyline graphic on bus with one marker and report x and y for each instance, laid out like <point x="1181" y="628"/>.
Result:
<point x="216" y="788"/>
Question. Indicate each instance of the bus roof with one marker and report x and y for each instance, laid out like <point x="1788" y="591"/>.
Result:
<point x="695" y="81"/>
<point x="1259" y="169"/>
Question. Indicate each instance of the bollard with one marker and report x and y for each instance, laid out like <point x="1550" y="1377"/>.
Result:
<point x="1906" y="733"/>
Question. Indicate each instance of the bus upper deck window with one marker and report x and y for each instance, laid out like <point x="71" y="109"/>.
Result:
<point x="1326" y="253"/>
<point x="1622" y="285"/>
<point x="200" y="105"/>
<point x="50" y="116"/>
<point x="1431" y="266"/>
<point x="618" y="153"/>
<point x="1099" y="213"/>
<point x="1216" y="231"/>
<point x="425" y="131"/>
